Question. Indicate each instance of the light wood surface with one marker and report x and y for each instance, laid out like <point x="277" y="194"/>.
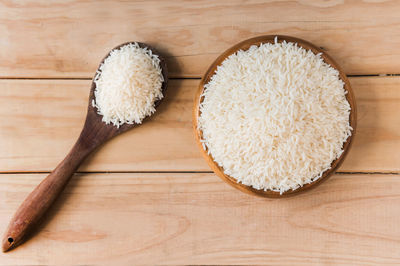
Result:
<point x="53" y="112"/>
<point x="173" y="217"/>
<point x="67" y="38"/>
<point x="126" y="219"/>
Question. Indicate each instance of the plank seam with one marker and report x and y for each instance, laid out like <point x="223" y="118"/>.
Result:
<point x="178" y="172"/>
<point x="367" y="173"/>
<point x="177" y="78"/>
<point x="58" y="78"/>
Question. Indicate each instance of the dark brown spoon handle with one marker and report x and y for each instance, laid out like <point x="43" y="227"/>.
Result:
<point x="41" y="198"/>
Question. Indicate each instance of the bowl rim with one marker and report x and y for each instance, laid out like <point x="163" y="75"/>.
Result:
<point x="244" y="45"/>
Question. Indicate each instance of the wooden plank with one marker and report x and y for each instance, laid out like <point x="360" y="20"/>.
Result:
<point x="125" y="219"/>
<point x="377" y="140"/>
<point x="41" y="119"/>
<point x="68" y="38"/>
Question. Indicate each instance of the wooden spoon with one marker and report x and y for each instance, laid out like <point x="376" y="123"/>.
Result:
<point x="94" y="133"/>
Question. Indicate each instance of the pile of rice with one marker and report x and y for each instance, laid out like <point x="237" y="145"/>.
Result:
<point x="275" y="116"/>
<point x="128" y="84"/>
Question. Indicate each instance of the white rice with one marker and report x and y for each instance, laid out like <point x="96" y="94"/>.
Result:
<point x="127" y="85"/>
<point x="275" y="116"/>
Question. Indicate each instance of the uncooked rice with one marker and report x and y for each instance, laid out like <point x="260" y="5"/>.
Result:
<point x="128" y="84"/>
<point x="275" y="116"/>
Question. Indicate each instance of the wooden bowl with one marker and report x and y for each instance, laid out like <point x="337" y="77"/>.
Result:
<point x="245" y="46"/>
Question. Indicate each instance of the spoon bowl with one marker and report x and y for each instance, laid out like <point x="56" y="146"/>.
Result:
<point x="92" y="114"/>
<point x="95" y="132"/>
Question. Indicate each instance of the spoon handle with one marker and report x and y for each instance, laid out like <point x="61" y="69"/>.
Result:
<point x="41" y="198"/>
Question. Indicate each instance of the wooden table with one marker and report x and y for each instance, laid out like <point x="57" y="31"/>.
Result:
<point x="147" y="197"/>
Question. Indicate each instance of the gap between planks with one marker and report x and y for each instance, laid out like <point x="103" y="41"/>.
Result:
<point x="55" y="78"/>
<point x="175" y="172"/>
<point x="173" y="78"/>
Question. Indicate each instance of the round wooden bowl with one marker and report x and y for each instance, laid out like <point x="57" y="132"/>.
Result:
<point x="245" y="45"/>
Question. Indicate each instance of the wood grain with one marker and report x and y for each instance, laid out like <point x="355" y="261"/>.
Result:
<point x="52" y="113"/>
<point x="191" y="218"/>
<point x="42" y="39"/>
<point x="125" y="219"/>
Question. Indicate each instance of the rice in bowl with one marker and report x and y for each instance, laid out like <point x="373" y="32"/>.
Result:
<point x="275" y="116"/>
